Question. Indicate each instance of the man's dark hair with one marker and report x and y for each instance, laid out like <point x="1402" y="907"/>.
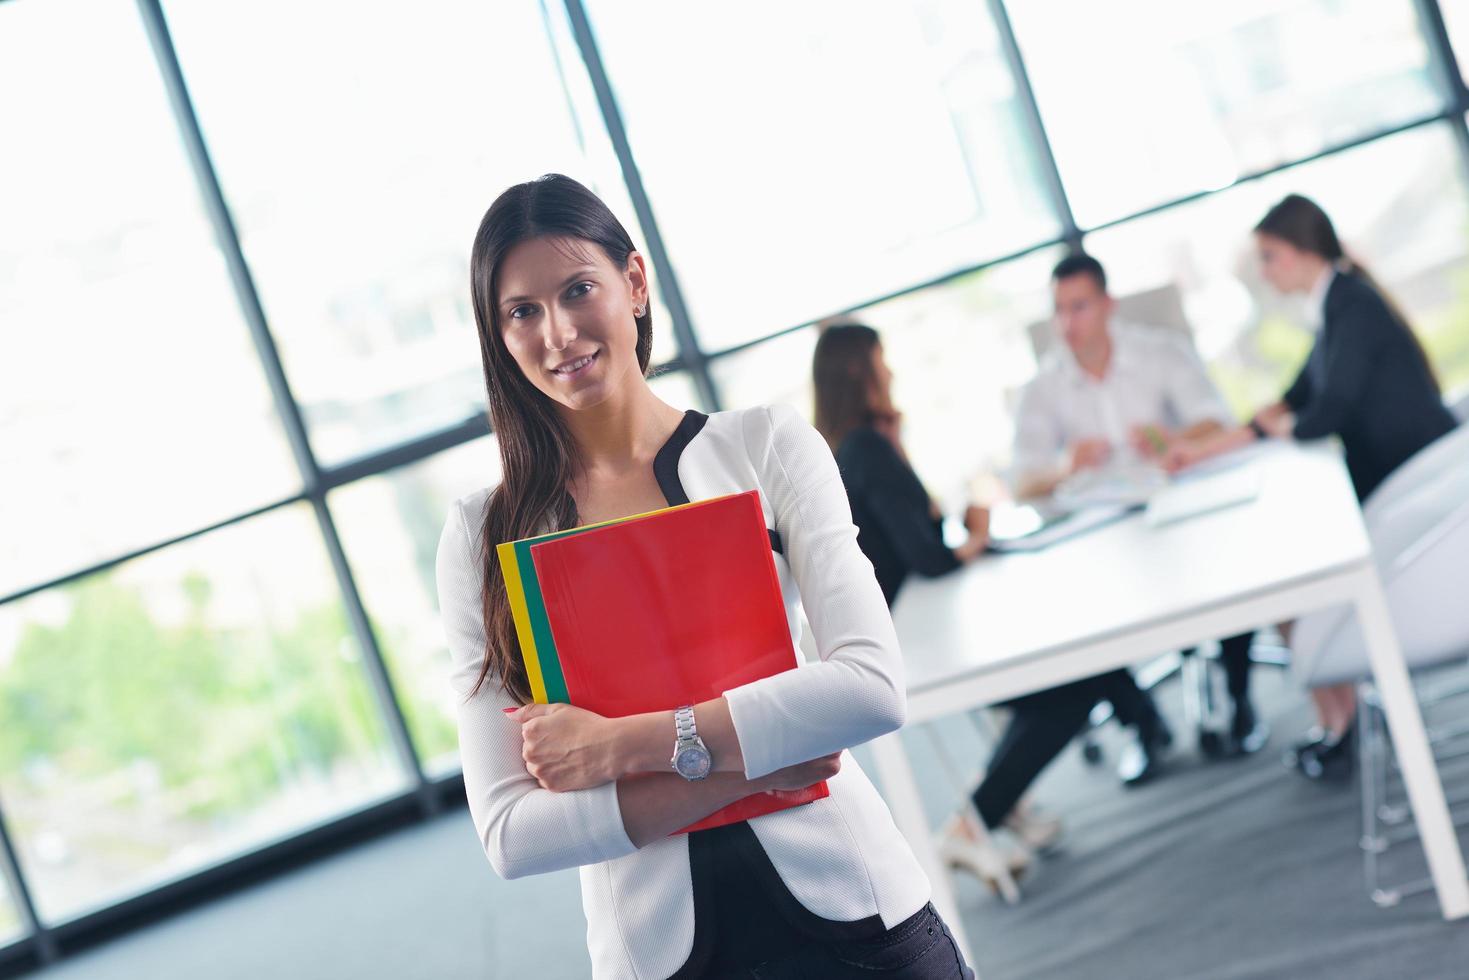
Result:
<point x="1080" y="264"/>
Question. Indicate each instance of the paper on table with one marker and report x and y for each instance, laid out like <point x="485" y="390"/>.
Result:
<point x="1058" y="528"/>
<point x="1200" y="496"/>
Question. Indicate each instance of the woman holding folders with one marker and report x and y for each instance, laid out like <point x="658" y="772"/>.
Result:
<point x="899" y="529"/>
<point x="1367" y="381"/>
<point x="828" y="889"/>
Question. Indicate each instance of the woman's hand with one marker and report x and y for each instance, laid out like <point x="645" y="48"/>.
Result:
<point x="1272" y="412"/>
<point x="565" y="747"/>
<point x="1278" y="420"/>
<point x="803" y="774"/>
<point x="977" y="521"/>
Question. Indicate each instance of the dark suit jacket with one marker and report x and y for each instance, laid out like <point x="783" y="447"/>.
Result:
<point x="1366" y="382"/>
<point x="891" y="510"/>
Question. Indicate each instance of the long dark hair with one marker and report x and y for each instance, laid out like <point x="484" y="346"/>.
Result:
<point x="537" y="453"/>
<point x="1302" y="223"/>
<point x="845" y="380"/>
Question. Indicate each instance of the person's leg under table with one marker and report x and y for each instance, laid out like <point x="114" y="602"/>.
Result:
<point x="1247" y="733"/>
<point x="1134" y="707"/>
<point x="1131" y="705"/>
<point x="1040" y="726"/>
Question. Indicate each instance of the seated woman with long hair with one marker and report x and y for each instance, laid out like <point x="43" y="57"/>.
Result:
<point x="899" y="528"/>
<point x="1366" y="381"/>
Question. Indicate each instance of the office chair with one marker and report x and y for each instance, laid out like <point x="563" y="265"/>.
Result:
<point x="1418" y="523"/>
<point x="1458" y="403"/>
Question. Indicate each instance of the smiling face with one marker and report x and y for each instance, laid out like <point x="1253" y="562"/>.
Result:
<point x="567" y="315"/>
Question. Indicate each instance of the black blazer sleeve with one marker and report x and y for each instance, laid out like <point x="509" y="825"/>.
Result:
<point x="1352" y="337"/>
<point x="896" y="502"/>
<point x="1299" y="391"/>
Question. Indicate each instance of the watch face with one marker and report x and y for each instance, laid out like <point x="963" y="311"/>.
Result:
<point x="692" y="762"/>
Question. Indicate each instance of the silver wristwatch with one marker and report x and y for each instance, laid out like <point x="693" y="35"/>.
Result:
<point x="691" y="758"/>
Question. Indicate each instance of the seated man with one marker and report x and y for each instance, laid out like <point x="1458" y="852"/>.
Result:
<point x="1107" y="392"/>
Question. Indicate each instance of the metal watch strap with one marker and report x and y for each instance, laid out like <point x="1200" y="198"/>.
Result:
<point x="683" y="722"/>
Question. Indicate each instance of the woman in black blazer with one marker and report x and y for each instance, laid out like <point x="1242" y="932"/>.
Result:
<point x="1367" y="381"/>
<point x="899" y="529"/>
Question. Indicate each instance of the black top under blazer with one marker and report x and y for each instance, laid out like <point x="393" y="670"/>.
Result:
<point x="1366" y="382"/>
<point x="895" y="526"/>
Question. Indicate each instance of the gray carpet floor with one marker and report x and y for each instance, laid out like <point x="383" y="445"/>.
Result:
<point x="1220" y="870"/>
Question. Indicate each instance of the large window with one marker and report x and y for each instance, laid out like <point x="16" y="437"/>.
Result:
<point x="1147" y="100"/>
<point x="358" y="167"/>
<point x="390" y="528"/>
<point x="803" y="158"/>
<point x="132" y="405"/>
<point x="179" y="709"/>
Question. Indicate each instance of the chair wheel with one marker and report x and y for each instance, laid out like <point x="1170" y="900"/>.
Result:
<point x="1386" y="898"/>
<point x="1211" y="743"/>
<point x="1092" y="753"/>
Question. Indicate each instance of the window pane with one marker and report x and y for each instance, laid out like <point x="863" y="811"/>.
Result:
<point x="390" y="526"/>
<point x="358" y="167"/>
<point x="1456" y="19"/>
<point x="181" y="708"/>
<point x="132" y="405"/>
<point x="677" y="389"/>
<point x="9" y="919"/>
<point x="873" y="146"/>
<point x="959" y="353"/>
<point x="1400" y="207"/>
<point x="1147" y="100"/>
<point x="771" y="372"/>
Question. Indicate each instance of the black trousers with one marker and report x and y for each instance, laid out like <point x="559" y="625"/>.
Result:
<point x="1234" y="656"/>
<point x="748" y="924"/>
<point x="1043" y="723"/>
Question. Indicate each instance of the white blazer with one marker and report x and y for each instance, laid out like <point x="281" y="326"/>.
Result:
<point x="841" y="857"/>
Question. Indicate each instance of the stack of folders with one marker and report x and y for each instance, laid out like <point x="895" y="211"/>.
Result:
<point x="652" y="612"/>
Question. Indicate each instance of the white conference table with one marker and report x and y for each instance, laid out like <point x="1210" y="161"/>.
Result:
<point x="1013" y="624"/>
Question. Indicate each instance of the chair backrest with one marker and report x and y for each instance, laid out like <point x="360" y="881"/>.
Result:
<point x="1450" y="451"/>
<point x="1159" y="307"/>
<point x="1420" y="541"/>
<point x="1458" y="403"/>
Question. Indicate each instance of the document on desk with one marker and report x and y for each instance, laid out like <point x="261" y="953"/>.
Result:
<point x="1202" y="495"/>
<point x="1049" y="530"/>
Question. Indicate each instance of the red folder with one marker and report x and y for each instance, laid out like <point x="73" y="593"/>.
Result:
<point x="672" y="608"/>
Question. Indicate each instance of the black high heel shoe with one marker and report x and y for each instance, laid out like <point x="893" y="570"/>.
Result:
<point x="1330" y="759"/>
<point x="1312" y="738"/>
<point x="1247" y="733"/>
<point x="1142" y="759"/>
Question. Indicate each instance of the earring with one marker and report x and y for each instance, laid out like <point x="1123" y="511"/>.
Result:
<point x="638" y="311"/>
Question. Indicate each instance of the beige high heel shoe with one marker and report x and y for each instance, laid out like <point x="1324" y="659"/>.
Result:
<point x="998" y="867"/>
<point x="1034" y="828"/>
